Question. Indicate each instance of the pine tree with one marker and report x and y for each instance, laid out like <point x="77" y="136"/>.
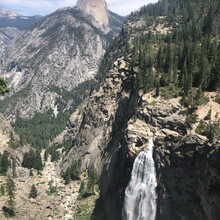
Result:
<point x="205" y="73"/>
<point x="10" y="189"/>
<point x="14" y="169"/>
<point x="5" y="163"/>
<point x="33" y="192"/>
<point x="3" y="87"/>
<point x="38" y="164"/>
<point x="215" y="76"/>
<point x="157" y="89"/>
<point x="67" y="176"/>
<point x="27" y="161"/>
<point x="2" y="190"/>
<point x="46" y="155"/>
<point x="31" y="173"/>
<point x="184" y="80"/>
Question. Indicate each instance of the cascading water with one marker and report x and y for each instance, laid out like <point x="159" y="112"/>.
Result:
<point x="140" y="194"/>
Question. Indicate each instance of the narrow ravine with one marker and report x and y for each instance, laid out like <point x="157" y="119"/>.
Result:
<point x="140" y="194"/>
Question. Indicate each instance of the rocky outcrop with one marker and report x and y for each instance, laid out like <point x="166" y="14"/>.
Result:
<point x="98" y="10"/>
<point x="6" y="133"/>
<point x="188" y="179"/>
<point x="10" y="142"/>
<point x="187" y="165"/>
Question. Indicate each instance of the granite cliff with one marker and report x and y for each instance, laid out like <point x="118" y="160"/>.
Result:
<point x="98" y="10"/>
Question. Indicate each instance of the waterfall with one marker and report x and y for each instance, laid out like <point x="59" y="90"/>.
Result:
<point x="140" y="194"/>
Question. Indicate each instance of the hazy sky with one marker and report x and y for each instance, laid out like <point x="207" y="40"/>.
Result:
<point x="43" y="7"/>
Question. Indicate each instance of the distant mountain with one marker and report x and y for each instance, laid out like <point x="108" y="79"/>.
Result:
<point x="11" y="24"/>
<point x="8" y="14"/>
<point x="13" y="19"/>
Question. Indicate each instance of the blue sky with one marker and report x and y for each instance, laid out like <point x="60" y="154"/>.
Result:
<point x="43" y="7"/>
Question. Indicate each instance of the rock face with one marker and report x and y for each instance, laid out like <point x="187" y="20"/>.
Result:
<point x="6" y="133"/>
<point x="56" y="54"/>
<point x="97" y="9"/>
<point x="188" y="179"/>
<point x="10" y="142"/>
<point x="6" y="36"/>
<point x="187" y="165"/>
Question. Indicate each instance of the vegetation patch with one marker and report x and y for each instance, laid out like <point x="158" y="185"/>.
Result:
<point x="89" y="193"/>
<point x="192" y="118"/>
<point x="201" y="128"/>
<point x="170" y="92"/>
<point x="52" y="189"/>
<point x="43" y="127"/>
<point x="73" y="172"/>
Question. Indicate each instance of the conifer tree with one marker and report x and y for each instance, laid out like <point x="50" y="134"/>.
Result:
<point x="205" y="73"/>
<point x="31" y="173"/>
<point x="14" y="169"/>
<point x="3" y="87"/>
<point x="10" y="189"/>
<point x="27" y="161"/>
<point x="38" y="161"/>
<point x="46" y="155"/>
<point x="67" y="176"/>
<point x="184" y="80"/>
<point x="33" y="192"/>
<point x="215" y="76"/>
<point x="2" y="190"/>
<point x="5" y="163"/>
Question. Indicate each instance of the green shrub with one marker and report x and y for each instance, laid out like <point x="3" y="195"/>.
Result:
<point x="192" y="118"/>
<point x="201" y="128"/>
<point x="170" y="92"/>
<point x="52" y="190"/>
<point x="202" y="101"/>
<point x="8" y="212"/>
<point x="33" y="192"/>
